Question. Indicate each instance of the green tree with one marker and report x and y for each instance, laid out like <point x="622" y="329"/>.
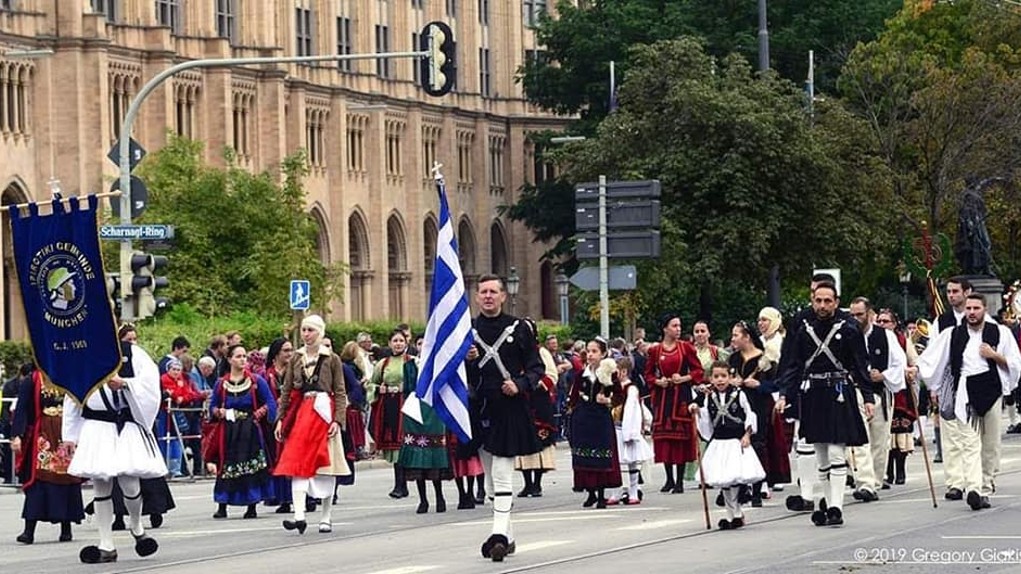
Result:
<point x="749" y="178"/>
<point x="940" y="91"/>
<point x="239" y="237"/>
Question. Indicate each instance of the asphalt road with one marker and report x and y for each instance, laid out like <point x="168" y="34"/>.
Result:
<point x="373" y="534"/>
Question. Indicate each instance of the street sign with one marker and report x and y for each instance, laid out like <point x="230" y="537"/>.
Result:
<point x="139" y="198"/>
<point x="300" y="294"/>
<point x="640" y="214"/>
<point x="135" y="154"/>
<point x="631" y="190"/>
<point x="621" y="245"/>
<point x="622" y="278"/>
<point x="151" y="232"/>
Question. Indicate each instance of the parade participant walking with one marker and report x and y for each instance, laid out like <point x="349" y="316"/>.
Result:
<point x="827" y="363"/>
<point x="755" y="374"/>
<point x="112" y="439"/>
<point x="385" y="392"/>
<point x="905" y="409"/>
<point x="887" y="363"/>
<point x="502" y="364"/>
<point x="630" y="422"/>
<point x="594" y="454"/>
<point x="727" y="420"/>
<point x="51" y="494"/>
<point x="670" y="371"/>
<point x="354" y="433"/>
<point x="277" y="357"/>
<point x="239" y="404"/>
<point x="542" y="400"/>
<point x="984" y="364"/>
<point x="312" y="412"/>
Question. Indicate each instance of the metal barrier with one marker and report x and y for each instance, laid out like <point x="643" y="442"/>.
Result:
<point x="6" y="404"/>
<point x="173" y="433"/>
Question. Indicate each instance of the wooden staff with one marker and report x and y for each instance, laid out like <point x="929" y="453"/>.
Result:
<point x="701" y="473"/>
<point x="921" y="441"/>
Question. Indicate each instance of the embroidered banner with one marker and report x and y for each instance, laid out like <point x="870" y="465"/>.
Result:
<point x="63" y="290"/>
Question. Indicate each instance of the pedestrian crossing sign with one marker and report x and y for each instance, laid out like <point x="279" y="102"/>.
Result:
<point x="300" y="294"/>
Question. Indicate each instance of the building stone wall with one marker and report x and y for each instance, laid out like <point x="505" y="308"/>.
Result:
<point x="370" y="131"/>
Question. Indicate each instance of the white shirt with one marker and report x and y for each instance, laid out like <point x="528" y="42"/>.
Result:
<point x="934" y="364"/>
<point x="893" y="375"/>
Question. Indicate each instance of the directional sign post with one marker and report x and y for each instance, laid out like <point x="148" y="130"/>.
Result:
<point x="621" y="278"/>
<point x="300" y="294"/>
<point x="139" y="232"/>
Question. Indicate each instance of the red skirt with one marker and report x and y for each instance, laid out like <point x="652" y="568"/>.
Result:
<point x="674" y="451"/>
<point x="356" y="427"/>
<point x="305" y="448"/>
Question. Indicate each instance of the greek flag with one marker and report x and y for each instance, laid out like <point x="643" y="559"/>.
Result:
<point x="442" y="381"/>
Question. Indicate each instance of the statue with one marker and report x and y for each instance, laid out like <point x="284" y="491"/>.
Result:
<point x="973" y="247"/>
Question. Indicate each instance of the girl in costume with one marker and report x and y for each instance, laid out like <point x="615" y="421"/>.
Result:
<point x="385" y="392"/>
<point x="240" y="401"/>
<point x="593" y="438"/>
<point x="630" y="421"/>
<point x="313" y="407"/>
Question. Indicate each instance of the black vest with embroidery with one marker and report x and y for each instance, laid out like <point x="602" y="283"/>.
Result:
<point x="879" y="353"/>
<point x="126" y="370"/>
<point x="958" y="342"/>
<point x="946" y="321"/>
<point x="727" y="427"/>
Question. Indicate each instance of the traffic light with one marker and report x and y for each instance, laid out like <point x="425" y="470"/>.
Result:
<point x="144" y="283"/>
<point x="113" y="288"/>
<point x="438" y="68"/>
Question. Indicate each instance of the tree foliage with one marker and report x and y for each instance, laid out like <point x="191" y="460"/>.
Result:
<point x="941" y="92"/>
<point x="749" y="178"/>
<point x="239" y="237"/>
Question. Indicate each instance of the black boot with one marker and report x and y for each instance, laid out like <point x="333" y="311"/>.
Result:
<point x="423" y="502"/>
<point x="601" y="498"/>
<point x="679" y="485"/>
<point x="28" y="536"/>
<point x="221" y="511"/>
<point x="65" y="532"/>
<point x="890" y="461"/>
<point x="591" y="500"/>
<point x="400" y="484"/>
<point x="251" y="513"/>
<point x="537" y="483"/>
<point x="669" y="484"/>
<point x="901" y="476"/>
<point x="527" y="490"/>
<point x="441" y="503"/>
<point x="480" y="495"/>
<point x="757" y="495"/>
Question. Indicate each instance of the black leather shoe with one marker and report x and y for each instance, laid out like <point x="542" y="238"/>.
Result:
<point x="25" y="538"/>
<point x="95" y="555"/>
<point x="145" y="545"/>
<point x="723" y="524"/>
<point x="795" y="503"/>
<point x="590" y="501"/>
<point x="441" y="505"/>
<point x="251" y="513"/>
<point x="834" y="517"/>
<point x="220" y="514"/>
<point x="423" y="507"/>
<point x="954" y="494"/>
<point x="497" y="547"/>
<point x="284" y="508"/>
<point x="155" y="520"/>
<point x="668" y="486"/>
<point x="299" y="525"/>
<point x="974" y="500"/>
<point x="737" y="523"/>
<point x="64" y="537"/>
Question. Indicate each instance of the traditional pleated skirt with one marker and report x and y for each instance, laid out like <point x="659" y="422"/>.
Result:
<point x="825" y="419"/>
<point x="545" y="459"/>
<point x="104" y="453"/>
<point x="594" y="455"/>
<point x="632" y="452"/>
<point x="244" y="477"/>
<point x="48" y="502"/>
<point x="308" y="450"/>
<point x="725" y="463"/>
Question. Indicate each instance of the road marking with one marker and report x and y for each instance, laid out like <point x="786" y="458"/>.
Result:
<point x="532" y="546"/>
<point x="981" y="537"/>
<point x="654" y="524"/>
<point x="406" y="570"/>
<point x="941" y="500"/>
<point x="187" y="533"/>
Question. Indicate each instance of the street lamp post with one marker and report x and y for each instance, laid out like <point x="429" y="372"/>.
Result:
<point x="905" y="280"/>
<point x="513" y="284"/>
<point x="562" y="287"/>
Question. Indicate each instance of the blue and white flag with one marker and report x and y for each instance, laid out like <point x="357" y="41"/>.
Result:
<point x="442" y="379"/>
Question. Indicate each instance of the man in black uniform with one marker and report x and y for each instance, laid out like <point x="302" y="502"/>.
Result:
<point x="502" y="364"/>
<point x="827" y="360"/>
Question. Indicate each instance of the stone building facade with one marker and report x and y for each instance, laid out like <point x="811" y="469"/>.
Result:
<point x="370" y="132"/>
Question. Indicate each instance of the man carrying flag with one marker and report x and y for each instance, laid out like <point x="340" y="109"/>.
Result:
<point x="502" y="365"/>
<point x="507" y="364"/>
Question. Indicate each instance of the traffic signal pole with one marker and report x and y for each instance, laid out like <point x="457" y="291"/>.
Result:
<point x="604" y="268"/>
<point x="136" y="105"/>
